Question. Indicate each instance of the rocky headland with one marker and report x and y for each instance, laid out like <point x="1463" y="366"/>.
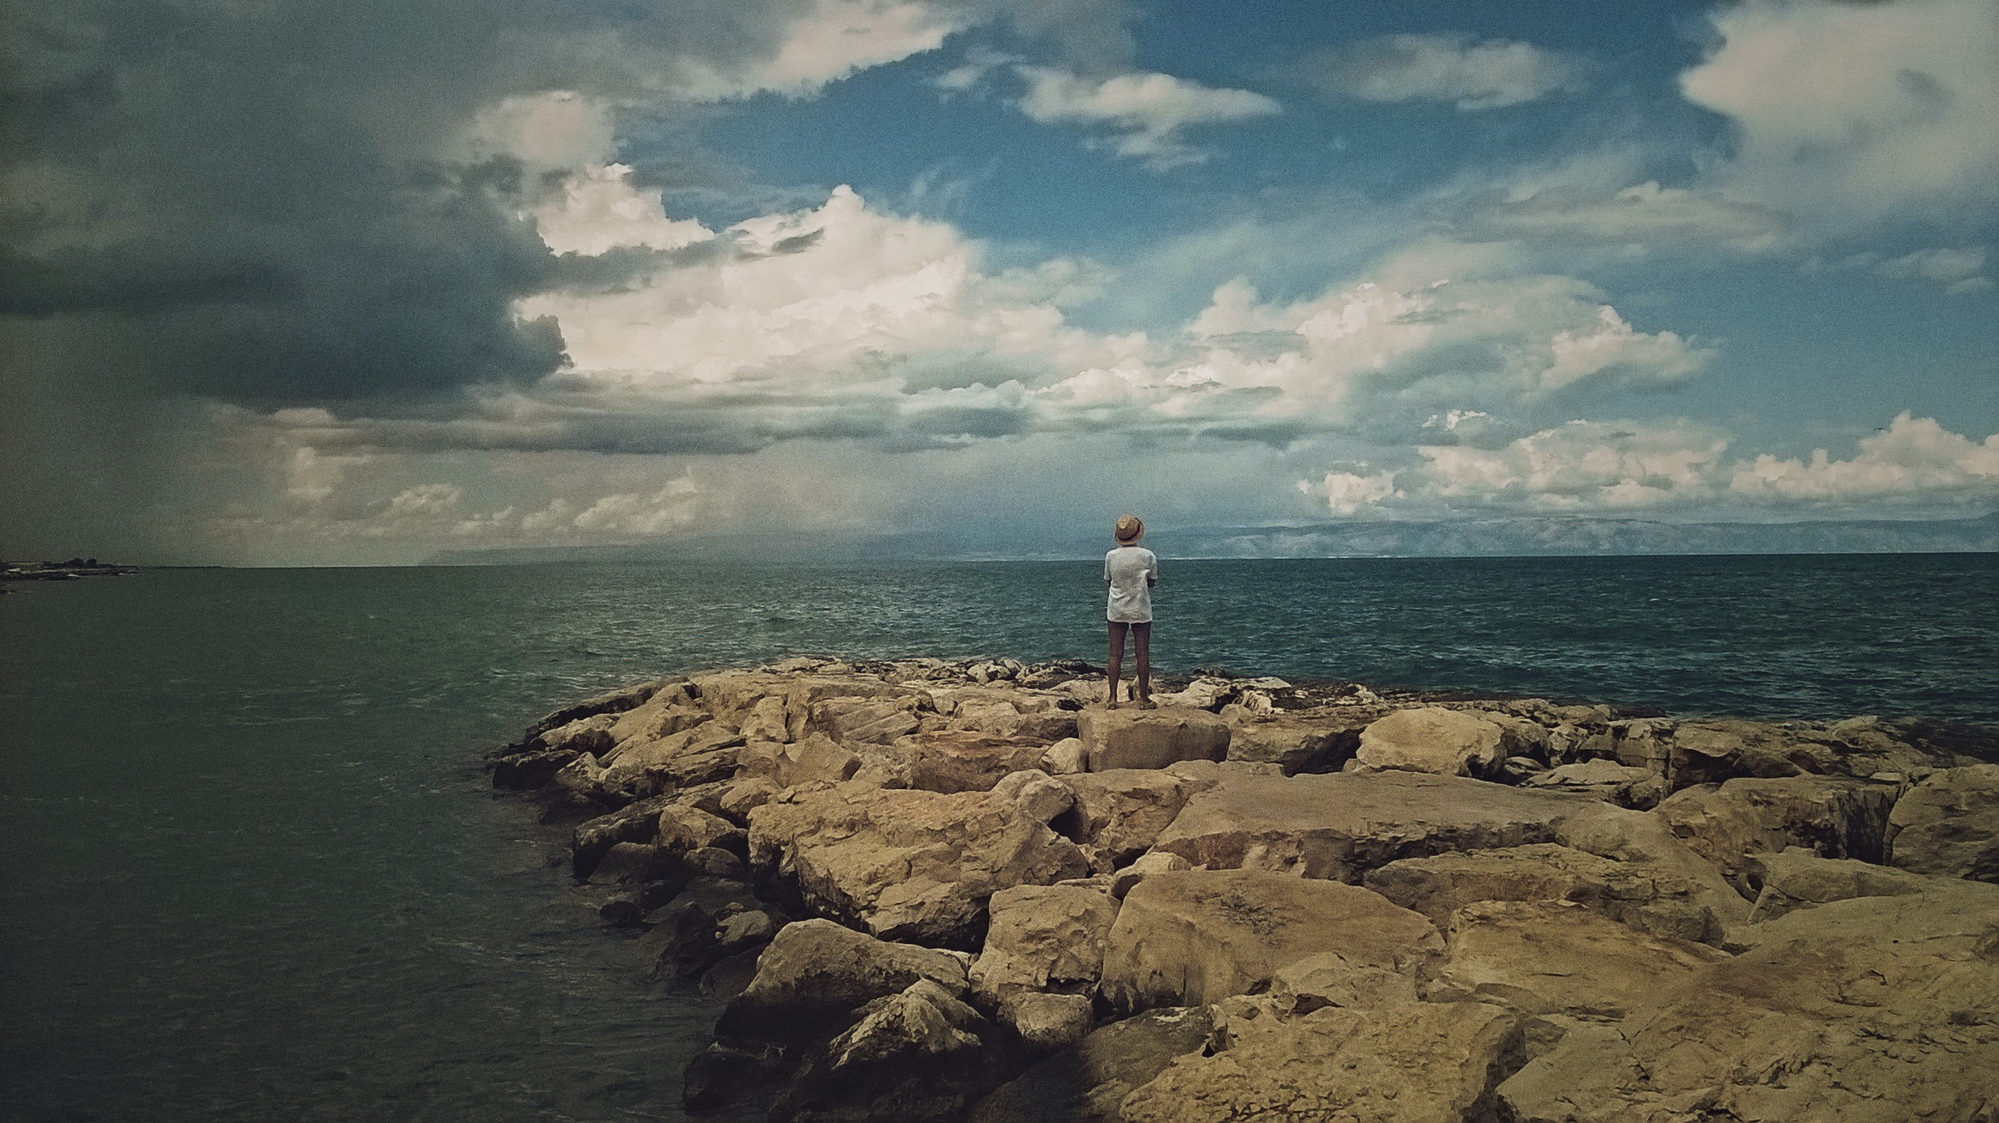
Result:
<point x="941" y="891"/>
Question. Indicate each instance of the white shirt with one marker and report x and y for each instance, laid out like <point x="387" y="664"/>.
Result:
<point x="1130" y="571"/>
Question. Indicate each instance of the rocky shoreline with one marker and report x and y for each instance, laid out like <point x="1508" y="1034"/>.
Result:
<point x="936" y="890"/>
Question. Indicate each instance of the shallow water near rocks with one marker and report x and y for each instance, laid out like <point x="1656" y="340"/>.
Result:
<point x="254" y="872"/>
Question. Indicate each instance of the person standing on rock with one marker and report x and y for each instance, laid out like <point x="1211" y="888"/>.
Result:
<point x="1131" y="570"/>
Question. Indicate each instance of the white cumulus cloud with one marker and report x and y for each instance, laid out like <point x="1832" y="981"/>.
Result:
<point x="641" y="514"/>
<point x="1912" y="458"/>
<point x="1473" y="74"/>
<point x="1857" y="113"/>
<point x="1148" y="112"/>
<point x="1349" y="493"/>
<point x="1958" y="269"/>
<point x="829" y="40"/>
<point x="1582" y="465"/>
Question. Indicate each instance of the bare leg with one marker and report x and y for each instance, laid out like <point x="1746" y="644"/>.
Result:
<point x="1141" y="645"/>
<point x="1117" y="657"/>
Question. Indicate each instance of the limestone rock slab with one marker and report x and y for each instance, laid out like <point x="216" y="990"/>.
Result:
<point x="1199" y="936"/>
<point x="1552" y="957"/>
<point x="1836" y="817"/>
<point x="734" y="694"/>
<point x="1871" y="1010"/>
<point x="1704" y="752"/>
<point x="1087" y="1082"/>
<point x="683" y="828"/>
<point x="1341" y="825"/>
<point x="612" y="702"/>
<point x="957" y="760"/>
<point x="692" y="756"/>
<point x="1320" y="741"/>
<point x="1119" y="814"/>
<point x="1043" y="937"/>
<point x="1135" y="738"/>
<point x="584" y="735"/>
<point x="815" y="972"/>
<point x="1651" y="896"/>
<point x="863" y="720"/>
<point x="1948" y="825"/>
<point x="910" y="864"/>
<point x="1798" y="878"/>
<point x="912" y="1057"/>
<point x="1425" y="1062"/>
<point x="814" y="758"/>
<point x="1435" y="740"/>
<point x="1637" y="788"/>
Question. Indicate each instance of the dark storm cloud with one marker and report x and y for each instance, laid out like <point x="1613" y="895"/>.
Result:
<point x="622" y="267"/>
<point x="254" y="200"/>
<point x="132" y="281"/>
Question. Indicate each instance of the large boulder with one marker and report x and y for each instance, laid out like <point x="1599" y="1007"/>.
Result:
<point x="1872" y="746"/>
<point x="584" y="735"/>
<point x="1419" y="1062"/>
<point x="1637" y="788"/>
<point x="956" y="760"/>
<point x="593" y="838"/>
<point x="669" y="712"/>
<point x="815" y="973"/>
<point x="733" y="694"/>
<point x="768" y="720"/>
<point x="527" y="771"/>
<point x="1329" y="978"/>
<point x="1043" y="954"/>
<point x="1017" y="716"/>
<point x="1435" y="740"/>
<point x="1871" y="1010"/>
<point x="1339" y="826"/>
<point x="683" y="829"/>
<point x="814" y="758"/>
<point x="1320" y="741"/>
<point x="612" y="702"/>
<point x="1797" y="879"/>
<point x="1643" y="743"/>
<point x="1726" y="824"/>
<point x="700" y="755"/>
<point x="1135" y="738"/>
<point x="1198" y="936"/>
<point x="1043" y="937"/>
<point x="876" y="721"/>
<point x="1119" y="814"/>
<point x="1146" y="865"/>
<point x="1553" y="957"/>
<point x="1650" y="896"/>
<point x="708" y="920"/>
<point x="912" y="1057"/>
<point x="628" y="863"/>
<point x="1087" y="1082"/>
<point x="1948" y="824"/>
<point x="1712" y="751"/>
<point x="914" y="865"/>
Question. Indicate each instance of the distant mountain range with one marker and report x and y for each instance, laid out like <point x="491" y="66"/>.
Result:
<point x="1478" y="537"/>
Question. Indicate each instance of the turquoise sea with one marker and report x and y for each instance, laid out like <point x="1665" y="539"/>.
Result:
<point x="253" y="872"/>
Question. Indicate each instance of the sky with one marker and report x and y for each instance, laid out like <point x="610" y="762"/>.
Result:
<point x="356" y="281"/>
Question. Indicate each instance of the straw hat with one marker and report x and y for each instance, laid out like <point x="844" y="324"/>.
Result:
<point x="1128" y="529"/>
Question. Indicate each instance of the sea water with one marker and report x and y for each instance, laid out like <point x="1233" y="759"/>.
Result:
<point x="252" y="870"/>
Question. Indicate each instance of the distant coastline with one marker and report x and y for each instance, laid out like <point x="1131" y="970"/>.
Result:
<point x="74" y="569"/>
<point x="1460" y="538"/>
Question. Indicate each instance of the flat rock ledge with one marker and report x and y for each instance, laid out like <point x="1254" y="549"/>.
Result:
<point x="932" y="890"/>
